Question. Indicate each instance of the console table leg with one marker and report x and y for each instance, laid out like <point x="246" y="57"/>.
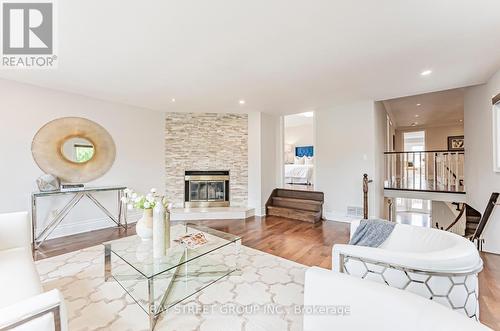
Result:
<point x="33" y="223"/>
<point x="57" y="219"/>
<point x="120" y="212"/>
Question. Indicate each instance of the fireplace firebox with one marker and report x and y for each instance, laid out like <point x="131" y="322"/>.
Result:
<point x="206" y="188"/>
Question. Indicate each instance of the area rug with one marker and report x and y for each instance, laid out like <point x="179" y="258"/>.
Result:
<point x="266" y="295"/>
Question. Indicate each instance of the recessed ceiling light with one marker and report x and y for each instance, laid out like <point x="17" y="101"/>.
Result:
<point x="308" y="114"/>
<point x="242" y="102"/>
<point x="419" y="104"/>
<point x="417" y="116"/>
<point x="426" y="72"/>
<point x="461" y="120"/>
<point x="173" y="99"/>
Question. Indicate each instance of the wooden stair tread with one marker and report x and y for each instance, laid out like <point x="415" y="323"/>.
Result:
<point x="296" y="194"/>
<point x="305" y="206"/>
<point x="315" y="202"/>
<point x="297" y="214"/>
<point x="294" y="209"/>
<point x="298" y="204"/>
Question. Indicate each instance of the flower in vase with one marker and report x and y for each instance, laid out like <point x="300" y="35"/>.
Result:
<point x="140" y="201"/>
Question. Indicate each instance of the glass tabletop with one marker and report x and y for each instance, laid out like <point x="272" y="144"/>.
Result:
<point x="85" y="189"/>
<point x="138" y="253"/>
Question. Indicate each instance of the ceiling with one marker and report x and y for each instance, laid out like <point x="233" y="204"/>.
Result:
<point x="279" y="56"/>
<point x="430" y="109"/>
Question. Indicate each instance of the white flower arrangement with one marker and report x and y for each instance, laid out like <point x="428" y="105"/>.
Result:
<point x="140" y="201"/>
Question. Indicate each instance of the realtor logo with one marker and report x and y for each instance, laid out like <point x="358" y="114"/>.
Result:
<point x="28" y="34"/>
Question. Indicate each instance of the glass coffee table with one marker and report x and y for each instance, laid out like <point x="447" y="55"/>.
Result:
<point x="157" y="284"/>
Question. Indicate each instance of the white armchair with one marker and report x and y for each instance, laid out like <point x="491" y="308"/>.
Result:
<point x="355" y="304"/>
<point x="432" y="263"/>
<point x="23" y="304"/>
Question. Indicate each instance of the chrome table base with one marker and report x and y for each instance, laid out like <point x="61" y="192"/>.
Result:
<point x="38" y="239"/>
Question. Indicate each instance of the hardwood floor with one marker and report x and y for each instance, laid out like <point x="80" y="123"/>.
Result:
<point x="309" y="244"/>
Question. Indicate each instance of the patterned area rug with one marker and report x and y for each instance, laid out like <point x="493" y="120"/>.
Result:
<point x="266" y="295"/>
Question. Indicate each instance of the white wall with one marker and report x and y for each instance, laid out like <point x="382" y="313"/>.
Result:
<point x="138" y="135"/>
<point x="300" y="135"/>
<point x="436" y="138"/>
<point x="264" y="131"/>
<point x="254" y="162"/>
<point x="346" y="148"/>
<point x="481" y="180"/>
<point x="376" y="191"/>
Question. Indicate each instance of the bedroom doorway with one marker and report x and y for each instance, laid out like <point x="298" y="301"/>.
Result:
<point x="298" y="150"/>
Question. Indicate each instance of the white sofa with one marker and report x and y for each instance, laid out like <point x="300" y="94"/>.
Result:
<point x="432" y="263"/>
<point x="355" y="304"/>
<point x="23" y="304"/>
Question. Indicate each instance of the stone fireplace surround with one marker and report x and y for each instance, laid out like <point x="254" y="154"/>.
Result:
<point x="206" y="141"/>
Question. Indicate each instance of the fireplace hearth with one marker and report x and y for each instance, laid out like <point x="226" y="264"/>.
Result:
<point x="206" y="188"/>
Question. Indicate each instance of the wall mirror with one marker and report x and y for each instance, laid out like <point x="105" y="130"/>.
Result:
<point x="74" y="149"/>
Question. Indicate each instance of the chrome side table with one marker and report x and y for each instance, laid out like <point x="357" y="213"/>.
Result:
<point x="120" y="220"/>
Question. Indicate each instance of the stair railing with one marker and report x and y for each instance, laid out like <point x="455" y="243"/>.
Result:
<point x="459" y="216"/>
<point x="484" y="220"/>
<point x="438" y="170"/>
<point x="366" y="181"/>
<point x="451" y="227"/>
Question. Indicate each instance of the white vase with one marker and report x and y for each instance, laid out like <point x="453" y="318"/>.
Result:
<point x="161" y="230"/>
<point x="144" y="226"/>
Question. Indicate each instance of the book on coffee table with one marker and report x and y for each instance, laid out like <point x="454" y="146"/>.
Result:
<point x="193" y="240"/>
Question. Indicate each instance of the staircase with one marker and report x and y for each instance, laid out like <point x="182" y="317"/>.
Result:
<point x="472" y="221"/>
<point x="475" y="222"/>
<point x="306" y="206"/>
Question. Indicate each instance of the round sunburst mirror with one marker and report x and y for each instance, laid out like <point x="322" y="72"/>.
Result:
<point x="74" y="149"/>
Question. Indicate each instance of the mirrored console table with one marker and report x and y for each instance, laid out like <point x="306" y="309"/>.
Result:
<point x="38" y="238"/>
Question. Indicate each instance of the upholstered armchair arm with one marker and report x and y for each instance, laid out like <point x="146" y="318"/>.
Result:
<point x="43" y="312"/>
<point x="436" y="262"/>
<point x="356" y="304"/>
<point x="15" y="230"/>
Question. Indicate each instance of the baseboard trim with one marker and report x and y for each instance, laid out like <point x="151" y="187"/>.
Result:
<point x="260" y="212"/>
<point x="338" y="217"/>
<point x="75" y="227"/>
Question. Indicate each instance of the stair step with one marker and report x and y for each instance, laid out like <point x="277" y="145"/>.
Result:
<point x="469" y="232"/>
<point x="295" y="194"/>
<point x="301" y="204"/>
<point x="297" y="214"/>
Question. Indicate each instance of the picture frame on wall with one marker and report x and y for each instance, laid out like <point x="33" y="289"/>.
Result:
<point x="456" y="143"/>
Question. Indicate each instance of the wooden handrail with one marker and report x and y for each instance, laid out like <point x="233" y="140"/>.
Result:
<point x="459" y="216"/>
<point x="366" y="181"/>
<point x="436" y="151"/>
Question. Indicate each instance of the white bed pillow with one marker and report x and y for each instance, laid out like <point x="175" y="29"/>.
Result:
<point x="298" y="160"/>
<point x="308" y="160"/>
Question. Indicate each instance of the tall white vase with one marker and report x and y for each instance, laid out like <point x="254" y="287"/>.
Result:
<point x="161" y="230"/>
<point x="144" y="226"/>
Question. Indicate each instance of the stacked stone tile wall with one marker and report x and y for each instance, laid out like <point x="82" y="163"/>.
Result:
<point x="206" y="141"/>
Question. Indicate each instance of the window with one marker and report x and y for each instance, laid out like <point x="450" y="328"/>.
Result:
<point x="83" y="153"/>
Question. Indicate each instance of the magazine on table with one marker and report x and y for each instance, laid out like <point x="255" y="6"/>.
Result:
<point x="193" y="240"/>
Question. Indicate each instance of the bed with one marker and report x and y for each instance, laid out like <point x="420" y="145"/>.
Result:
<point x="300" y="173"/>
